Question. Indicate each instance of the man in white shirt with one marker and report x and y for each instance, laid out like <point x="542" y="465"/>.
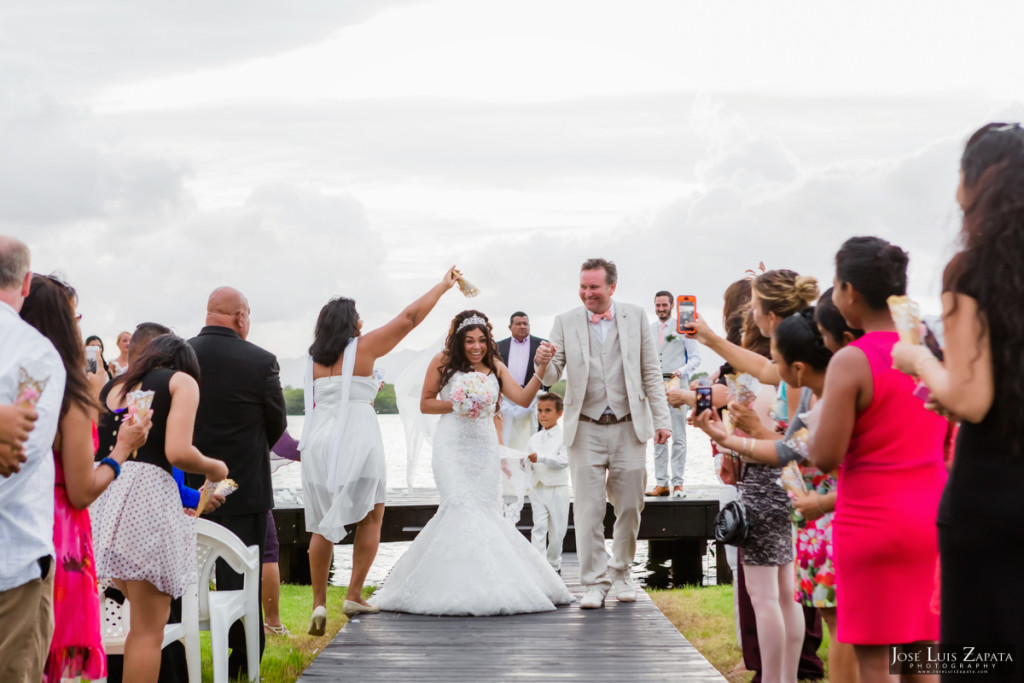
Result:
<point x="518" y="351"/>
<point x="26" y="496"/>
<point x="549" y="492"/>
<point x="680" y="358"/>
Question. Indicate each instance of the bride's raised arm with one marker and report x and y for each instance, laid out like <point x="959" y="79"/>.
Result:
<point x="430" y="404"/>
<point x="517" y="394"/>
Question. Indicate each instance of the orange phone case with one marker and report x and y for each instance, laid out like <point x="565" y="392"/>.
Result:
<point x="680" y="300"/>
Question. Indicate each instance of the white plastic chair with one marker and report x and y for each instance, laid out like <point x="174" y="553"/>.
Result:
<point x="219" y="609"/>
<point x="117" y="623"/>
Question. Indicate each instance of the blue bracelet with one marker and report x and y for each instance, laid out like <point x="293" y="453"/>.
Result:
<point x="112" y="464"/>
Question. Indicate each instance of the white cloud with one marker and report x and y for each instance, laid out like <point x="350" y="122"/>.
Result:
<point x="299" y="152"/>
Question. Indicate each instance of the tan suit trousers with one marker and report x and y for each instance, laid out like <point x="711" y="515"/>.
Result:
<point x="26" y="613"/>
<point x="607" y="463"/>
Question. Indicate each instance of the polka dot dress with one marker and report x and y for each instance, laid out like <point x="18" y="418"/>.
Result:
<point x="141" y="532"/>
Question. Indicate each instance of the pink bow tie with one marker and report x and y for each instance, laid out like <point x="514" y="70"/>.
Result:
<point x="595" y="318"/>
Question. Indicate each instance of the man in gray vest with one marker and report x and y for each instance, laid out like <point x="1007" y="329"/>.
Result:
<point x="614" y="386"/>
<point x="680" y="357"/>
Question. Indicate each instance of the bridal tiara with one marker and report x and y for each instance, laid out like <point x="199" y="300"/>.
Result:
<point x="471" y="320"/>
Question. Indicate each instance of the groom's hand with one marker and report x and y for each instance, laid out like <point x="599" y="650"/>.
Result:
<point x="662" y="436"/>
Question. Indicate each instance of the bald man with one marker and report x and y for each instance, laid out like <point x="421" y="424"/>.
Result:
<point x="241" y="415"/>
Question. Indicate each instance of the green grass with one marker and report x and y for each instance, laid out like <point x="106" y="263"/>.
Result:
<point x="284" y="658"/>
<point x="704" y="616"/>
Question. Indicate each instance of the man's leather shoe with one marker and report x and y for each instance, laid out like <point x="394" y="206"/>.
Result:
<point x="658" y="491"/>
<point x="594" y="599"/>
<point x="677" y="491"/>
<point x="623" y="590"/>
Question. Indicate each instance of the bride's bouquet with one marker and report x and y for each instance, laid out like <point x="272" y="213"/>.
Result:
<point x="473" y="396"/>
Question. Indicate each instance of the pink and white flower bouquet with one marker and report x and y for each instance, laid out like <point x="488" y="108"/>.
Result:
<point x="473" y="396"/>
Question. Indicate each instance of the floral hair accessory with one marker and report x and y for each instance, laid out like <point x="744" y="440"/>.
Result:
<point x="753" y="274"/>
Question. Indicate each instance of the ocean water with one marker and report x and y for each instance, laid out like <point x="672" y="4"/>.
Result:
<point x="699" y="472"/>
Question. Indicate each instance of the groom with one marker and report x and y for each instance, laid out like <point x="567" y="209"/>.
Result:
<point x="614" y="386"/>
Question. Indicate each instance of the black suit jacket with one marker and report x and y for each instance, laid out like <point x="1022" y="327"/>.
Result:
<point x="241" y="415"/>
<point x="503" y="349"/>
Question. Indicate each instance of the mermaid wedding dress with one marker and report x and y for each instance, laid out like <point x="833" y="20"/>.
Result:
<point x="468" y="560"/>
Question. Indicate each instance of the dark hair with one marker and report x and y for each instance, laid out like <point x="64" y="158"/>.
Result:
<point x="517" y="314"/>
<point x="664" y="292"/>
<point x="988" y="267"/>
<point x="144" y="333"/>
<point x="873" y="267"/>
<point x="992" y="146"/>
<point x="337" y="323"/>
<point x="828" y="316"/>
<point x="735" y="310"/>
<point x="784" y="292"/>
<point x="50" y="308"/>
<point x="454" y="354"/>
<point x="554" y="398"/>
<point x="799" y="340"/>
<point x="611" y="273"/>
<point x="165" y="351"/>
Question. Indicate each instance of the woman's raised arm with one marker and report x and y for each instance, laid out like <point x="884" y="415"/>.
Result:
<point x="381" y="341"/>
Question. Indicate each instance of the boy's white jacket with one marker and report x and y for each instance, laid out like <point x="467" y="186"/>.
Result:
<point x="551" y="468"/>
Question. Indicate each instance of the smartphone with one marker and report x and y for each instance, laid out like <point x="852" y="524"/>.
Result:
<point x="703" y="399"/>
<point x="92" y="354"/>
<point x="686" y="312"/>
<point x="932" y="342"/>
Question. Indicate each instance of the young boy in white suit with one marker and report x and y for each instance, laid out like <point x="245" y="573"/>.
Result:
<point x="549" y="493"/>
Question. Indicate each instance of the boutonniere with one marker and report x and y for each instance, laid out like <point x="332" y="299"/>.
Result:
<point x="671" y="337"/>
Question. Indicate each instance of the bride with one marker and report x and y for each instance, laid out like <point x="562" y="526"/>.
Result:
<point x="468" y="559"/>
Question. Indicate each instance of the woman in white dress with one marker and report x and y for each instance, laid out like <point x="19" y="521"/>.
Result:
<point x="343" y="466"/>
<point x="468" y="559"/>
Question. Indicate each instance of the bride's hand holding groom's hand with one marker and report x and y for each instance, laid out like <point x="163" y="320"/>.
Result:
<point x="545" y="352"/>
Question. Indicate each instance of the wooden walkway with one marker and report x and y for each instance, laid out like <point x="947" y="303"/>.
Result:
<point x="623" y="642"/>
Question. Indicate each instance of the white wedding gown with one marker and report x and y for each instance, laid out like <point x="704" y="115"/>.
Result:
<point x="469" y="560"/>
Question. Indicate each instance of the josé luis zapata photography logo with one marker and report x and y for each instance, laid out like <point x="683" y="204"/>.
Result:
<point x="953" y="659"/>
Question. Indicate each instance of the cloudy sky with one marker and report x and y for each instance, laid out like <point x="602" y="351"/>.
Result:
<point x="153" y="151"/>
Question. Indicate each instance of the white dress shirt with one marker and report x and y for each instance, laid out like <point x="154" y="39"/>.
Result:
<point x="26" y="498"/>
<point x="552" y="457"/>
<point x="519" y="359"/>
<point x="604" y="325"/>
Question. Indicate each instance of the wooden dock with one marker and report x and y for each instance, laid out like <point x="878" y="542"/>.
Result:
<point x="622" y="642"/>
<point x="678" y="529"/>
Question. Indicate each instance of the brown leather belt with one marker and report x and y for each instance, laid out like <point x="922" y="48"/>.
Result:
<point x="606" y="419"/>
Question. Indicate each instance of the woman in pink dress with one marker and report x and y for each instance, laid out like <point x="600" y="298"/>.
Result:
<point x="77" y="645"/>
<point x="889" y="452"/>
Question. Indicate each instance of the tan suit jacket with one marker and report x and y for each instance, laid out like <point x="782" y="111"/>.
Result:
<point x="644" y="386"/>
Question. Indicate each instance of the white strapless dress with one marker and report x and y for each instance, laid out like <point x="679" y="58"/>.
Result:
<point x="362" y="469"/>
<point x="468" y="559"/>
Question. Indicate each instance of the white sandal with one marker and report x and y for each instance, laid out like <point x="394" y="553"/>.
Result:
<point x="281" y="630"/>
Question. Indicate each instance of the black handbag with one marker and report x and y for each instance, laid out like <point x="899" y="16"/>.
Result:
<point x="731" y="521"/>
<point x="731" y="524"/>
